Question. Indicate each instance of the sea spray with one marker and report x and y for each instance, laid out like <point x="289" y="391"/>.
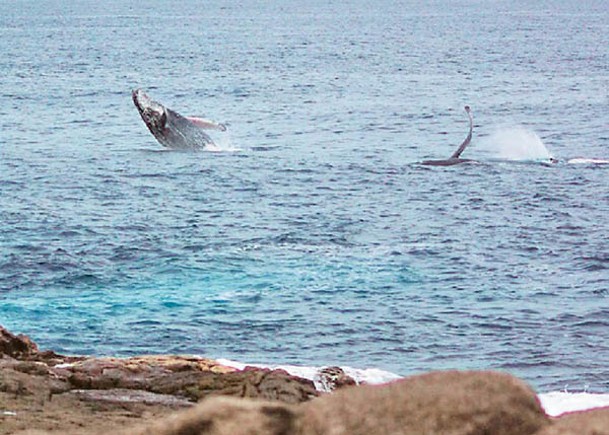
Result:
<point x="222" y="143"/>
<point x="366" y="376"/>
<point x="554" y="403"/>
<point x="516" y="143"/>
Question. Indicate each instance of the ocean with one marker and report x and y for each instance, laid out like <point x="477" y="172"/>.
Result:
<point x="312" y="235"/>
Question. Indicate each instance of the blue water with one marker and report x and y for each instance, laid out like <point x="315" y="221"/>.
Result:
<point x="314" y="237"/>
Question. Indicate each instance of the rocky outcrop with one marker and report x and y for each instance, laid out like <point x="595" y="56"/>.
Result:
<point x="16" y="346"/>
<point x="448" y="403"/>
<point x="44" y="390"/>
<point x="191" y="378"/>
<point x="185" y="377"/>
<point x="22" y="348"/>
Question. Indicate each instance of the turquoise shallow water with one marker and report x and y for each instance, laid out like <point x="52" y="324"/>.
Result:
<point x="314" y="237"/>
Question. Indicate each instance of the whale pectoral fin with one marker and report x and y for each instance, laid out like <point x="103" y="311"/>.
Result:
<point x="468" y="139"/>
<point x="206" y="124"/>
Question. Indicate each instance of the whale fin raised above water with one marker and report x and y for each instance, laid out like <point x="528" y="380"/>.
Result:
<point x="207" y="124"/>
<point x="468" y="139"/>
<point x="456" y="159"/>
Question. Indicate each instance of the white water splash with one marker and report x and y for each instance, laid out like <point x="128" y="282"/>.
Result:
<point x="222" y="144"/>
<point x="584" y="161"/>
<point x="554" y="403"/>
<point x="559" y="402"/>
<point x="517" y="143"/>
<point x="368" y="376"/>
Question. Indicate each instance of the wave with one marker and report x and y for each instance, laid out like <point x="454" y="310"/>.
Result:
<point x="554" y="403"/>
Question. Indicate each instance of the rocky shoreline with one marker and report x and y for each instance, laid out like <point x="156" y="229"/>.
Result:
<point x="42" y="392"/>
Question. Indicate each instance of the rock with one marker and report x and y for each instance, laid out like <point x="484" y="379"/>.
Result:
<point x="276" y="385"/>
<point x="16" y="346"/>
<point x="188" y="377"/>
<point x="333" y="378"/>
<point x="250" y="382"/>
<point x="593" y="422"/>
<point x="448" y="403"/>
<point x="120" y="395"/>
<point x="135" y="373"/>
<point x="227" y="416"/>
<point x="14" y="382"/>
<point x="30" y="367"/>
<point x="22" y="348"/>
<point x="112" y="393"/>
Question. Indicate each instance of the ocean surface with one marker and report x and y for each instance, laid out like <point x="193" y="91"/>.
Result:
<point x="312" y="235"/>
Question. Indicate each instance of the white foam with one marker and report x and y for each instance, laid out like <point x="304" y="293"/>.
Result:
<point x="554" y="403"/>
<point x="222" y="144"/>
<point x="583" y="161"/>
<point x="558" y="402"/>
<point x="368" y="376"/>
<point x="63" y="366"/>
<point x="517" y="143"/>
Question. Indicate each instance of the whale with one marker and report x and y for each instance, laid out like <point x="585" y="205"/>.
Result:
<point x="171" y="129"/>
<point x="456" y="159"/>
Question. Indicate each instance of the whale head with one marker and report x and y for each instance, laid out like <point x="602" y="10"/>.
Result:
<point x="153" y="113"/>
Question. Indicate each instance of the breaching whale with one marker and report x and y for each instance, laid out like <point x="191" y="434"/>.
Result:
<point x="455" y="159"/>
<point x="171" y="129"/>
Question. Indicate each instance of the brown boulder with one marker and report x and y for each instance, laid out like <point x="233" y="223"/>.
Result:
<point x="450" y="402"/>
<point x="227" y="416"/>
<point x="593" y="422"/>
<point x="16" y="346"/>
<point x="22" y="348"/>
<point x="250" y="382"/>
<point x="134" y="373"/>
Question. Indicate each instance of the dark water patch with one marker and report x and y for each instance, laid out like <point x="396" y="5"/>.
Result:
<point x="590" y="324"/>
<point x="594" y="263"/>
